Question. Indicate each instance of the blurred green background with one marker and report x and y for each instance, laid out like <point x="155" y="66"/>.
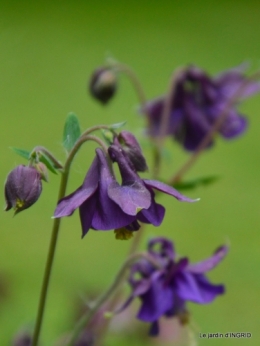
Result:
<point x="48" y="51"/>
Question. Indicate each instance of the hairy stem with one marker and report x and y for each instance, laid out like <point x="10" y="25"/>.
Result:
<point x="55" y="232"/>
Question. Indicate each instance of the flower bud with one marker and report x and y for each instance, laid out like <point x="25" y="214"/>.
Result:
<point x="132" y="150"/>
<point x="103" y="84"/>
<point x="22" y="188"/>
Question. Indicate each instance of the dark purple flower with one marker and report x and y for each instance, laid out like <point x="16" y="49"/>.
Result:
<point x="164" y="291"/>
<point x="199" y="100"/>
<point x="103" y="84"/>
<point x="22" y="188"/>
<point x="104" y="204"/>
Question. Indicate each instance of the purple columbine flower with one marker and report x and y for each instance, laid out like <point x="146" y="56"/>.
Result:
<point x="164" y="290"/>
<point x="104" y="204"/>
<point x="23" y="187"/>
<point x="198" y="101"/>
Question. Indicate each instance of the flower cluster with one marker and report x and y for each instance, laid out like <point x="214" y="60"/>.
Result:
<point x="104" y="204"/>
<point x="198" y="101"/>
<point x="164" y="290"/>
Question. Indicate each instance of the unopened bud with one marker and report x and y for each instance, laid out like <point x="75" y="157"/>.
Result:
<point x="132" y="150"/>
<point x="103" y="84"/>
<point x="22" y="188"/>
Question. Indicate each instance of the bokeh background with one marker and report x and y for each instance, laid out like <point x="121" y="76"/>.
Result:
<point x="48" y="50"/>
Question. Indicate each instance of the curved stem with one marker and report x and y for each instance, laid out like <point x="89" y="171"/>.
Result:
<point x="108" y="293"/>
<point x="133" y="78"/>
<point x="55" y="232"/>
<point x="39" y="149"/>
<point x="214" y="129"/>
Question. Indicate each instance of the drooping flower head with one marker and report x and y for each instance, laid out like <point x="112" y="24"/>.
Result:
<point x="23" y="187"/>
<point x="103" y="84"/>
<point x="104" y="204"/>
<point x="198" y="101"/>
<point x="164" y="290"/>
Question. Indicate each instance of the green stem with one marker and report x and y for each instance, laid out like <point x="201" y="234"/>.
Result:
<point x="55" y="232"/>
<point x="166" y="113"/>
<point x="48" y="267"/>
<point x="118" y="67"/>
<point x="108" y="293"/>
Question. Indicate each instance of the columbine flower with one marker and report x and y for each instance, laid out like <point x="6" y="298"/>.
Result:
<point x="164" y="291"/>
<point x="104" y="204"/>
<point x="103" y="84"/>
<point x="22" y="188"/>
<point x="198" y="102"/>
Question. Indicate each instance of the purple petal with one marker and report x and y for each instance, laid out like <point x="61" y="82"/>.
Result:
<point x="196" y="288"/>
<point x="168" y="189"/>
<point x="86" y="212"/>
<point x="166" y="247"/>
<point x="130" y="198"/>
<point x="209" y="263"/>
<point x="68" y="204"/>
<point x="154" y="329"/>
<point x="156" y="301"/>
<point x="233" y="126"/>
<point x="153" y="215"/>
<point x="109" y="216"/>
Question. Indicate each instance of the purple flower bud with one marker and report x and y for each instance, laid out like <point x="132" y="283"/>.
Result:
<point x="132" y="150"/>
<point x="22" y="188"/>
<point x="103" y="84"/>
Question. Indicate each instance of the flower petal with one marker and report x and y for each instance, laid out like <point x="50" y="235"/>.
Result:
<point x="233" y="126"/>
<point x="196" y="288"/>
<point x="156" y="301"/>
<point x="209" y="263"/>
<point x="168" y="189"/>
<point x="130" y="198"/>
<point x="68" y="204"/>
<point x="153" y="215"/>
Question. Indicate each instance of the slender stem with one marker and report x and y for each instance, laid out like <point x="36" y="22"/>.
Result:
<point x="55" y="232"/>
<point x="95" y="128"/>
<point x="108" y="293"/>
<point x="214" y="129"/>
<point x="137" y="239"/>
<point x="40" y="149"/>
<point x="48" y="267"/>
<point x="119" y="67"/>
<point x="165" y="120"/>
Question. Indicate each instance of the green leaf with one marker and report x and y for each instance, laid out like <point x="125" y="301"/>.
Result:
<point x="192" y="184"/>
<point x="48" y="163"/>
<point x="24" y="153"/>
<point x="117" y="125"/>
<point x="71" y="131"/>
